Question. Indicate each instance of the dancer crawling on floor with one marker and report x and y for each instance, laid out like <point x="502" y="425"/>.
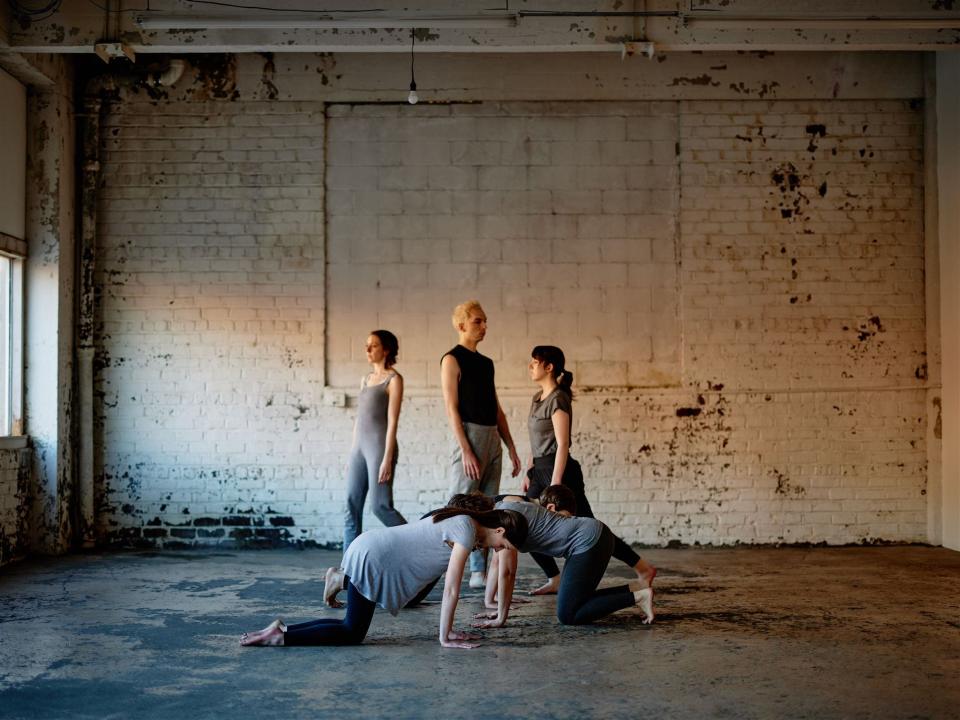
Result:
<point x="391" y="566"/>
<point x="587" y="544"/>
<point x="557" y="498"/>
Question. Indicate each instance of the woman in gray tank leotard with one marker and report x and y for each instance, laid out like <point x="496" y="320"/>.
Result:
<point x="373" y="457"/>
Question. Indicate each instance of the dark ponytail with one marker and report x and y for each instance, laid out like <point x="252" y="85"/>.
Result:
<point x="552" y="355"/>
<point x="513" y="523"/>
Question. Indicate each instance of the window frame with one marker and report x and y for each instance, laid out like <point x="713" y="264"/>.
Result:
<point x="11" y="415"/>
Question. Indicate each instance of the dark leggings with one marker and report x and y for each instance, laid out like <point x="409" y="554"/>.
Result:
<point x="578" y="600"/>
<point x="540" y="476"/>
<point x="333" y="631"/>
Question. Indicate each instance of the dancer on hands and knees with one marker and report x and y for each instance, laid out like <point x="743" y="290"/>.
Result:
<point x="550" y="423"/>
<point x="475" y="501"/>
<point x="476" y="418"/>
<point x="390" y="566"/>
<point x="587" y="544"/>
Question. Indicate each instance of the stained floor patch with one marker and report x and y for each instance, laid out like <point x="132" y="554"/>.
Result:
<point x="746" y="633"/>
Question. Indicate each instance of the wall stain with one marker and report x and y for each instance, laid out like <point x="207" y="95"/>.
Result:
<point x="938" y="423"/>
<point x="698" y="80"/>
<point x="761" y="90"/>
<point x="424" y="35"/>
<point x="785" y="487"/>
<point x="815" y="131"/>
<point x="267" y="77"/>
<point x="215" y="77"/>
<point x="792" y="199"/>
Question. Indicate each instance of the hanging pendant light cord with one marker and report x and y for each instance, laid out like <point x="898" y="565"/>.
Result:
<point x="413" y="41"/>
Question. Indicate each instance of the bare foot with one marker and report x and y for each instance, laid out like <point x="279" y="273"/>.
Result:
<point x="548" y="588"/>
<point x="332" y="585"/>
<point x="645" y="573"/>
<point x="271" y="635"/>
<point x="644" y="600"/>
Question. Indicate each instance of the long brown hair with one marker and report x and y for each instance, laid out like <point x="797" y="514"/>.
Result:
<point x="513" y="523"/>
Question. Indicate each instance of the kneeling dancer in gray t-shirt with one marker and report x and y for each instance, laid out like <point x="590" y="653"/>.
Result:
<point x="390" y="566"/>
<point x="587" y="545"/>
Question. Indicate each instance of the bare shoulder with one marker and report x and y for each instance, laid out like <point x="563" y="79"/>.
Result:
<point x="449" y="361"/>
<point x="449" y="370"/>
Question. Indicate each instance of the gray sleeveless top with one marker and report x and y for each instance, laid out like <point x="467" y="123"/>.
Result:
<point x="372" y="411"/>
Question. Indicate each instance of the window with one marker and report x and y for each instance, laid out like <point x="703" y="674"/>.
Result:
<point x="11" y="345"/>
<point x="13" y="249"/>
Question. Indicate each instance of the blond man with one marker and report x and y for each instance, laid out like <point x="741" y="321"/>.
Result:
<point x="476" y="418"/>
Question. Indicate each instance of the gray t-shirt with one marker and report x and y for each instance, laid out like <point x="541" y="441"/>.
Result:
<point x="391" y="565"/>
<point x="543" y="441"/>
<point x="553" y="534"/>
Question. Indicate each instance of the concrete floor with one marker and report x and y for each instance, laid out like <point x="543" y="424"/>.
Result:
<point x="741" y="633"/>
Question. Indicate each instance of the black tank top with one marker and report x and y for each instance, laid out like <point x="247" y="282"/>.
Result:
<point x="475" y="389"/>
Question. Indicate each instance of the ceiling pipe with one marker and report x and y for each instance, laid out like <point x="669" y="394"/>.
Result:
<point x="170" y="76"/>
<point x="376" y="20"/>
<point x="835" y="22"/>
<point x="325" y="22"/>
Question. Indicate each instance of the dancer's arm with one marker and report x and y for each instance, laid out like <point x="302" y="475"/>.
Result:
<point x="394" y="400"/>
<point x="504" y="429"/>
<point x="561" y="429"/>
<point x="490" y="592"/>
<point x="451" y="593"/>
<point x="507" y="576"/>
<point x="449" y="375"/>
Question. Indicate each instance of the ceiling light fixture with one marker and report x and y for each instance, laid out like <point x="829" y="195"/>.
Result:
<point x="412" y="97"/>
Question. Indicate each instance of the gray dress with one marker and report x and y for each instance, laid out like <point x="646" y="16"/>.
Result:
<point x="365" y="458"/>
<point x="390" y="566"/>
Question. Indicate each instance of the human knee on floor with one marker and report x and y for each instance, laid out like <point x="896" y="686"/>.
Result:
<point x="567" y="615"/>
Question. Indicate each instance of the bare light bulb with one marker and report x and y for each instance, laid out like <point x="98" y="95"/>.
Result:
<point x="412" y="97"/>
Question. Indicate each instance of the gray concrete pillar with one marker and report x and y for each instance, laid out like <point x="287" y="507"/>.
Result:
<point x="49" y="289"/>
<point x="948" y="237"/>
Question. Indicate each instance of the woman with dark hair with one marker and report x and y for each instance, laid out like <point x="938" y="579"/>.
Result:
<point x="560" y="499"/>
<point x="390" y="566"/>
<point x="550" y="423"/>
<point x="373" y="458"/>
<point x="587" y="544"/>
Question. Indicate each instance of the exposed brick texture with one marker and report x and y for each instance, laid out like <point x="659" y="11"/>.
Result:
<point x="13" y="504"/>
<point x="211" y="270"/>
<point x="560" y="216"/>
<point x="739" y="284"/>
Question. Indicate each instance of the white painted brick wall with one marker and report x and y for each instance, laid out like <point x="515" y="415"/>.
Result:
<point x="12" y="504"/>
<point x="751" y="418"/>
<point x="547" y="212"/>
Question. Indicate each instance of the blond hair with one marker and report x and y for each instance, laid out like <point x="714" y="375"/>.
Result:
<point x="461" y="313"/>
